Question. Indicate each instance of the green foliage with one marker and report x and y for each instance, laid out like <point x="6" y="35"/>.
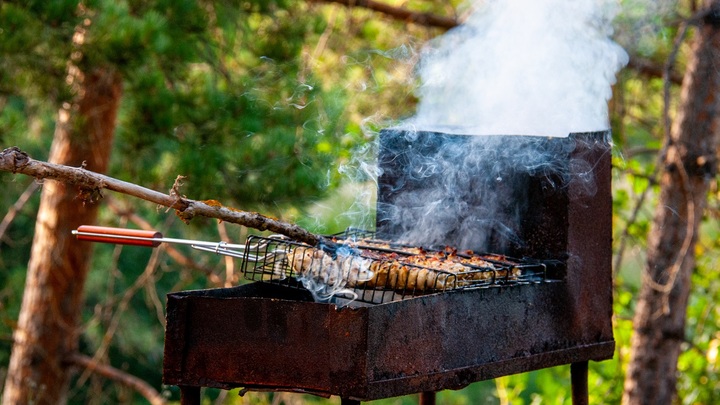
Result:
<point x="261" y="133"/>
<point x="259" y="104"/>
<point x="34" y="45"/>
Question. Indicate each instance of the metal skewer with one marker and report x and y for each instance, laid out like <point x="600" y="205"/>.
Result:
<point x="136" y="237"/>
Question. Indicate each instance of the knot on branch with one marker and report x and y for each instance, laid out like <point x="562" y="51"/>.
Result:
<point x="90" y="194"/>
<point x="16" y="158"/>
<point x="90" y="187"/>
<point x="186" y="213"/>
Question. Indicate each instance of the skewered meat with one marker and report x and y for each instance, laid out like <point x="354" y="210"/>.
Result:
<point x="407" y="269"/>
<point x="346" y="269"/>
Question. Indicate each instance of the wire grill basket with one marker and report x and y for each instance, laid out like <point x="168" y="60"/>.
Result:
<point x="367" y="270"/>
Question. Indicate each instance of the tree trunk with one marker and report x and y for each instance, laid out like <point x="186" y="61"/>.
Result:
<point x="47" y="330"/>
<point x="688" y="167"/>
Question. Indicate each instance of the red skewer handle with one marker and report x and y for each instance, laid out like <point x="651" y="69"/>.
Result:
<point x="120" y="236"/>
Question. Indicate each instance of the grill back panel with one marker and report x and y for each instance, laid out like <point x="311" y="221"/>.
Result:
<point x="504" y="194"/>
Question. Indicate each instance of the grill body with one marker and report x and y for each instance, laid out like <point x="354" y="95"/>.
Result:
<point x="266" y="337"/>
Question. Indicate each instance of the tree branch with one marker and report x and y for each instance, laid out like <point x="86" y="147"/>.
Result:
<point x="91" y="184"/>
<point x="651" y="69"/>
<point x="642" y="66"/>
<point x="398" y="13"/>
<point x="107" y="371"/>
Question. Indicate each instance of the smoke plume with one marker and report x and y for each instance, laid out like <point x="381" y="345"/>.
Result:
<point x="516" y="67"/>
<point x="535" y="67"/>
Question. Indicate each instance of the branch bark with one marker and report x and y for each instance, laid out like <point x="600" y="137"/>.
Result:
<point x="91" y="184"/>
<point x="112" y="373"/>
<point x="399" y="13"/>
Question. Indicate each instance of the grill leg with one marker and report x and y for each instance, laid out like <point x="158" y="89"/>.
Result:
<point x="189" y="395"/>
<point x="579" y="381"/>
<point x="345" y="401"/>
<point x="427" y="398"/>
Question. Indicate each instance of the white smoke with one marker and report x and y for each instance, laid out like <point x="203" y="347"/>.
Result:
<point x="536" y="67"/>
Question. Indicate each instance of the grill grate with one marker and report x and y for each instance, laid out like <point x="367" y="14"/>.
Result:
<point x="371" y="271"/>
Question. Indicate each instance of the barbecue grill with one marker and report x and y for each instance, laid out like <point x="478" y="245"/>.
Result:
<point x="542" y="296"/>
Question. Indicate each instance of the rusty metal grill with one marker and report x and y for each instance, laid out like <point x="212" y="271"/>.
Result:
<point x="554" y="308"/>
<point x="373" y="271"/>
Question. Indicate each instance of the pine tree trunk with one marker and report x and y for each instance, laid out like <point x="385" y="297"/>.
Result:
<point x="689" y="167"/>
<point x="48" y="325"/>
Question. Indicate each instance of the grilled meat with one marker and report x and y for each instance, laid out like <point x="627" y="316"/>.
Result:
<point x="377" y="264"/>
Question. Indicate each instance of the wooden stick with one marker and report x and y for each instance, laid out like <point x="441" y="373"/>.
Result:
<point x="91" y="184"/>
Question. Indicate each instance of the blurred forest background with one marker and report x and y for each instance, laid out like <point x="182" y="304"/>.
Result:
<point x="264" y="105"/>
